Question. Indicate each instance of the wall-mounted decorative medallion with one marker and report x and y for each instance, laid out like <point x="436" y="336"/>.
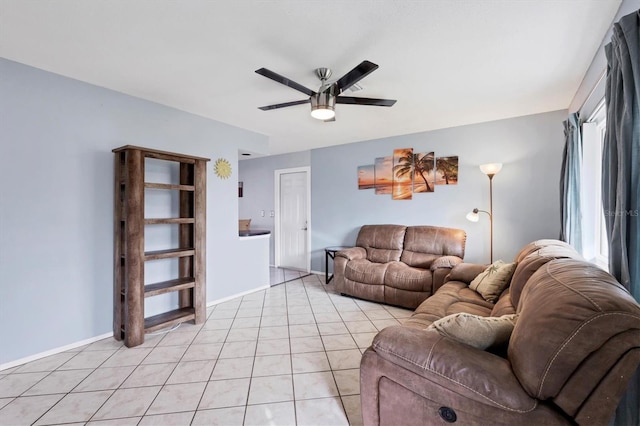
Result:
<point x="222" y="168"/>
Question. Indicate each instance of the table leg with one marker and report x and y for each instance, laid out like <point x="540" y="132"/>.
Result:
<point x="326" y="267"/>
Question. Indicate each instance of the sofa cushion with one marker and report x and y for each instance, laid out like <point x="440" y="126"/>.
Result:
<point x="477" y="331"/>
<point x="453" y="297"/>
<point x="399" y="275"/>
<point x="383" y="243"/>
<point x="365" y="271"/>
<point x="503" y="306"/>
<point x="493" y="280"/>
<point x="424" y="244"/>
<point x="465" y="272"/>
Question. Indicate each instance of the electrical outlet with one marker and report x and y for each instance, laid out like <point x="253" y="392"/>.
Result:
<point x="273" y="214"/>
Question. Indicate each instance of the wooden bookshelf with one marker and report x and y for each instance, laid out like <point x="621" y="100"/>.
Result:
<point x="130" y="291"/>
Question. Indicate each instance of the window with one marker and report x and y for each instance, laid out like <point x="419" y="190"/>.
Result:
<point x="594" y="233"/>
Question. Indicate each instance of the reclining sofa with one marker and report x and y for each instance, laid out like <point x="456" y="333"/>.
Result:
<point x="398" y="265"/>
<point x="569" y="358"/>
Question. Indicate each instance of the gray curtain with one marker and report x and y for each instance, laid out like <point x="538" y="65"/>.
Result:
<point x="570" y="211"/>
<point x="621" y="174"/>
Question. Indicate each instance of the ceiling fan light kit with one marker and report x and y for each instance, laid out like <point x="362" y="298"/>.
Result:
<point x="323" y="106"/>
<point x="323" y="102"/>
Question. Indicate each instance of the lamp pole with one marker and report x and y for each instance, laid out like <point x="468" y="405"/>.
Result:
<point x="491" y="170"/>
<point x="491" y="175"/>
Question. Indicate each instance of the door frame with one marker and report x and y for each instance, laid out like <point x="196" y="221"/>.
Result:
<point x="277" y="238"/>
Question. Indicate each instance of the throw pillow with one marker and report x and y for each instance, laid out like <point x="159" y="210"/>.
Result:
<point x="473" y="330"/>
<point x="493" y="280"/>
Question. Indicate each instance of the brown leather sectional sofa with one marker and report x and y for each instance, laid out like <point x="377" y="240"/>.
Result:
<point x="398" y="265"/>
<point x="574" y="347"/>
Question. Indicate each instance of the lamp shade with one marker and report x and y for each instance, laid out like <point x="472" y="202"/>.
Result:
<point x="472" y="216"/>
<point x="491" y="169"/>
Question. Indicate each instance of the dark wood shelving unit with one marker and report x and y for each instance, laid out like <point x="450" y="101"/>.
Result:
<point x="167" y="319"/>
<point x="130" y="291"/>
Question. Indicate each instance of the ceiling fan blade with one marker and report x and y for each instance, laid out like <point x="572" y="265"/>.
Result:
<point x="355" y="75"/>
<point x="364" y="101"/>
<point x="283" y="105"/>
<point x="284" y="80"/>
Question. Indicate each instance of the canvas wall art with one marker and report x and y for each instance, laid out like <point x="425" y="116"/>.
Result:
<point x="406" y="173"/>
<point x="424" y="172"/>
<point x="383" y="170"/>
<point x="366" y="177"/>
<point x="402" y="174"/>
<point x="447" y="170"/>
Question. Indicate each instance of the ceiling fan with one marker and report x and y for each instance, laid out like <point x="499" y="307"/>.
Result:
<point x="323" y="101"/>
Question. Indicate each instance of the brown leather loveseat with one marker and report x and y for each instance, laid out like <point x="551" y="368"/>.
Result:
<point x="398" y="265"/>
<point x="572" y="351"/>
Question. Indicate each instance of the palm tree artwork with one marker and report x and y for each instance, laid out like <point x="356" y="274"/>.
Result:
<point x="447" y="170"/>
<point x="424" y="172"/>
<point x="402" y="174"/>
<point x="405" y="173"/>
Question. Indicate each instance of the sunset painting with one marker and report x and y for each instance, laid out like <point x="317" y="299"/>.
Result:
<point x="424" y="172"/>
<point x="384" y="175"/>
<point x="366" y="177"/>
<point x="407" y="173"/>
<point x="402" y="174"/>
<point x="447" y="170"/>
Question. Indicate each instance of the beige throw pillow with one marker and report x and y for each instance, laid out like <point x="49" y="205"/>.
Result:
<point x="493" y="280"/>
<point x="473" y="330"/>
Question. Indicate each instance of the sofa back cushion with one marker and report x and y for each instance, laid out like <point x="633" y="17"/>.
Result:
<point x="382" y="242"/>
<point x="569" y="312"/>
<point x="532" y="257"/>
<point x="424" y="244"/>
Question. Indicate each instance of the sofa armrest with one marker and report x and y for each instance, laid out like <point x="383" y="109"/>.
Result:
<point x="473" y="373"/>
<point x="445" y="262"/>
<point x="465" y="272"/>
<point x="352" y="253"/>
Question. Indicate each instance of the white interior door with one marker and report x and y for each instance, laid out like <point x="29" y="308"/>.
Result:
<point x="292" y="219"/>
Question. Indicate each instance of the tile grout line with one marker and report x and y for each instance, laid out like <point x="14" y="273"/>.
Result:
<point x="344" y="411"/>
<point x="255" y="354"/>
<point x="71" y="390"/>
<point x="293" y="386"/>
<point x="162" y="386"/>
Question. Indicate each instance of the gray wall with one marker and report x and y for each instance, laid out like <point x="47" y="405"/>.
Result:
<point x="56" y="198"/>
<point x="526" y="203"/>
<point x="258" y="179"/>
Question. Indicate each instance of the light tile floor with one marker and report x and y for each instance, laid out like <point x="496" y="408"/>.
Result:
<point x="289" y="355"/>
<point x="281" y="275"/>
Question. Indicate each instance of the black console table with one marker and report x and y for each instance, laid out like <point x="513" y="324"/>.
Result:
<point x="330" y="252"/>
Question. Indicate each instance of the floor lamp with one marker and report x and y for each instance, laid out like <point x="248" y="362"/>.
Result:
<point x="490" y="170"/>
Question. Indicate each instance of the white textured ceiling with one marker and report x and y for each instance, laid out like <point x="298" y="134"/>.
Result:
<point x="447" y="62"/>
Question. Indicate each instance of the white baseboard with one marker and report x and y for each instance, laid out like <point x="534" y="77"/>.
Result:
<point x="244" y="293"/>
<point x="65" y="348"/>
